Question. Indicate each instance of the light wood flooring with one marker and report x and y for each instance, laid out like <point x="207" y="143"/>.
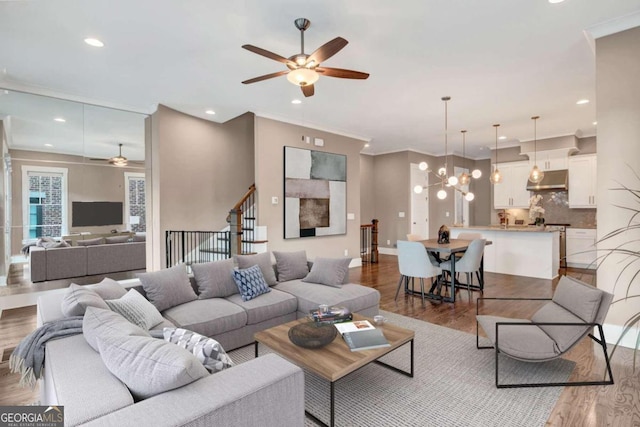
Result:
<point x="615" y="405"/>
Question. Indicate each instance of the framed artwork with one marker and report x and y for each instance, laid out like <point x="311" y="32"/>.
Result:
<point x="315" y="193"/>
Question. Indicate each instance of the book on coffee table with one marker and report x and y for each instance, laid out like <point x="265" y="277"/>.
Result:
<point x="362" y="335"/>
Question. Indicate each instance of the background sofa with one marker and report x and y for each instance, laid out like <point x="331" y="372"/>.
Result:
<point x="77" y="261"/>
<point x="265" y="391"/>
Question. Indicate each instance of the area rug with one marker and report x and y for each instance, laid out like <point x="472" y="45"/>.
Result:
<point x="453" y="385"/>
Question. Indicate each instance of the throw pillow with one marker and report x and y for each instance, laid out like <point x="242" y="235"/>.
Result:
<point x="329" y="271"/>
<point x="207" y="350"/>
<point x="109" y="289"/>
<point x="263" y="260"/>
<point x="250" y="282"/>
<point x="168" y="288"/>
<point x="291" y="265"/>
<point x="99" y="323"/>
<point x="78" y="298"/>
<point x="214" y="279"/>
<point x="137" y="310"/>
<point x="149" y="366"/>
<point x="117" y="239"/>
<point x="91" y="242"/>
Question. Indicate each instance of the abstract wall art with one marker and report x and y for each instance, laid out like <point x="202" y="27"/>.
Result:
<point x="315" y="193"/>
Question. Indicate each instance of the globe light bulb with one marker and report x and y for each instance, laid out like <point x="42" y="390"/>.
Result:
<point x="496" y="177"/>
<point x="477" y="173"/>
<point x="442" y="194"/>
<point x="464" y="178"/>
<point x="423" y="166"/>
<point x="536" y="175"/>
<point x="417" y="189"/>
<point x="452" y="180"/>
<point x="442" y="171"/>
<point x="469" y="196"/>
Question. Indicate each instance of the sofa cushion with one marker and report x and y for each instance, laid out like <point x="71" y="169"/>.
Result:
<point x="208" y="317"/>
<point x="579" y="298"/>
<point x="214" y="279"/>
<point x="91" y="242"/>
<point x="117" y="239"/>
<point x="101" y="323"/>
<point x="263" y="260"/>
<point x="168" y="288"/>
<point x="355" y="297"/>
<point x="564" y="336"/>
<point x="268" y="306"/>
<point x="108" y="289"/>
<point x="251" y="283"/>
<point x="62" y="263"/>
<point x="136" y="309"/>
<point x="102" y="259"/>
<point x="519" y="341"/>
<point x="328" y="271"/>
<point x="78" y="298"/>
<point x="207" y="350"/>
<point x="149" y="366"/>
<point x="291" y="265"/>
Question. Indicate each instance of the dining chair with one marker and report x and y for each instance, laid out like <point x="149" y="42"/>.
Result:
<point x="415" y="262"/>
<point x="469" y="263"/>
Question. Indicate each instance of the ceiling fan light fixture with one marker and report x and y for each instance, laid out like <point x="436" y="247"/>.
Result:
<point x="302" y="76"/>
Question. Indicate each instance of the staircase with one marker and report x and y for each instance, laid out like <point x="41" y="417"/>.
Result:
<point x="246" y="236"/>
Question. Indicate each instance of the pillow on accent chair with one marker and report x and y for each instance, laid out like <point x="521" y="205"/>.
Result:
<point x="215" y="279"/>
<point x="91" y="242"/>
<point x="250" y="282"/>
<point x="117" y="239"/>
<point x="136" y="309"/>
<point x="263" y="260"/>
<point x="291" y="265"/>
<point x="78" y="298"/>
<point x="102" y="323"/>
<point x="168" y="288"/>
<point x="207" y="350"/>
<point x="149" y="366"/>
<point x="329" y="271"/>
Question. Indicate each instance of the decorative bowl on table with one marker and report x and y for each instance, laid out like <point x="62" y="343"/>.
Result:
<point x="312" y="334"/>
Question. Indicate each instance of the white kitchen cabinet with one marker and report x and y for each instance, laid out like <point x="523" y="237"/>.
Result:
<point x="582" y="181"/>
<point x="549" y="160"/>
<point x="512" y="191"/>
<point x="581" y="248"/>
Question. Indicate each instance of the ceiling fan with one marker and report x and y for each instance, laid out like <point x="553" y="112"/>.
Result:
<point x="304" y="70"/>
<point x="119" y="160"/>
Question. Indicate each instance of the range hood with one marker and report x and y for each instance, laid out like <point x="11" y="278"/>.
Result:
<point x="552" y="180"/>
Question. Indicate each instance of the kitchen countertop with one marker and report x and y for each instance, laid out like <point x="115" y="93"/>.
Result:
<point x="511" y="228"/>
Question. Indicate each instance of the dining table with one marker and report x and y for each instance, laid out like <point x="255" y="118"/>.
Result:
<point x="455" y="246"/>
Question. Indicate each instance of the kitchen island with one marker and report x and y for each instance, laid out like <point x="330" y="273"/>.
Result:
<point x="519" y="250"/>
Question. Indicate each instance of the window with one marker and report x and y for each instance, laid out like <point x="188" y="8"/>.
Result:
<point x="135" y="202"/>
<point x="44" y="202"/>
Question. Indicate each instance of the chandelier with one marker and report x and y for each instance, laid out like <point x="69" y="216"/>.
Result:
<point x="446" y="180"/>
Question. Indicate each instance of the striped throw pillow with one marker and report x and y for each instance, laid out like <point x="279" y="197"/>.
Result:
<point x="136" y="309"/>
<point x="207" y="350"/>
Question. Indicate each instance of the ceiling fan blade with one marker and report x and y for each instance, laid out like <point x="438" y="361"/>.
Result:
<point x="268" y="54"/>
<point x="341" y="73"/>
<point x="307" y="90"/>
<point x="327" y="50"/>
<point x="265" y="77"/>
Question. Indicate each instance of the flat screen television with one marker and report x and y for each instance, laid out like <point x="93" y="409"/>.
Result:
<point x="89" y="214"/>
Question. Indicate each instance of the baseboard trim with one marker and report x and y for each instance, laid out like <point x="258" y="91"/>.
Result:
<point x="388" y="251"/>
<point x="612" y="334"/>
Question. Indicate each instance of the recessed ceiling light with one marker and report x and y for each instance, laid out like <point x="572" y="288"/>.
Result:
<point x="210" y="112"/>
<point x="595" y="123"/>
<point x="59" y="120"/>
<point x="296" y="101"/>
<point x="503" y="137"/>
<point x="555" y="1"/>
<point x="367" y="145"/>
<point x="582" y="102"/>
<point x="93" y="42"/>
<point x="48" y="145"/>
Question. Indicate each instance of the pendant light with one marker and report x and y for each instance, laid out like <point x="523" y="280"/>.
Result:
<point x="464" y="178"/>
<point x="496" y="176"/>
<point x="536" y="174"/>
<point x="451" y="179"/>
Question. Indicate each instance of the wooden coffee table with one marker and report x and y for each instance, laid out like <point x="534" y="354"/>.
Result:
<point x="335" y="360"/>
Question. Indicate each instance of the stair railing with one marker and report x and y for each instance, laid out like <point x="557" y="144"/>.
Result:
<point x="369" y="242"/>
<point x="242" y="222"/>
<point x="192" y="247"/>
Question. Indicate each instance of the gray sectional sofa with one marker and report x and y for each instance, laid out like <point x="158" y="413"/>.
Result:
<point x="265" y="391"/>
<point x="78" y="261"/>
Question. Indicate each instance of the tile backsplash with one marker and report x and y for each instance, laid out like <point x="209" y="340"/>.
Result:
<point x="556" y="205"/>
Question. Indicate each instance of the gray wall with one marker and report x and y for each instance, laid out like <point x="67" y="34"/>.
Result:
<point x="618" y="115"/>
<point x="4" y="266"/>
<point x="367" y="188"/>
<point x="200" y="169"/>
<point x="270" y="138"/>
